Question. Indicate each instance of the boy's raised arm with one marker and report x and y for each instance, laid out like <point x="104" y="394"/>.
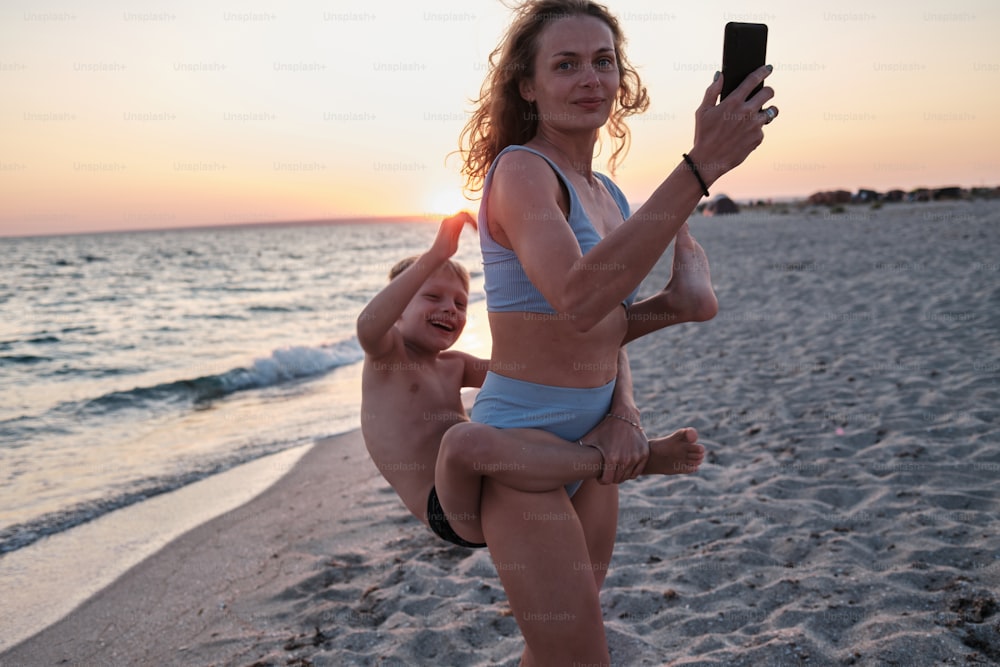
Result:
<point x="376" y="320"/>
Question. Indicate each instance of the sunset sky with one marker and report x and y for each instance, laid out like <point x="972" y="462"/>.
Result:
<point x="124" y="115"/>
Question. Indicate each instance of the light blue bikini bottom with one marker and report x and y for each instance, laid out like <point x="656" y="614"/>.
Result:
<point x="567" y="412"/>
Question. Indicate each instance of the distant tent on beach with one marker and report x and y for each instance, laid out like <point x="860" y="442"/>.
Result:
<point x="721" y="205"/>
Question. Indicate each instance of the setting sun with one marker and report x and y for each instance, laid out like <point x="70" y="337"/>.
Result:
<point x="449" y="201"/>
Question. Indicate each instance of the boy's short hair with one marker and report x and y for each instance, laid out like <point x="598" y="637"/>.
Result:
<point x="403" y="264"/>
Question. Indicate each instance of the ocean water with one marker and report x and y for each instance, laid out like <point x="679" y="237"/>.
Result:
<point x="135" y="363"/>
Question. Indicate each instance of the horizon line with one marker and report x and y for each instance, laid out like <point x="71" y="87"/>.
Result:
<point x="305" y="222"/>
<point x="433" y="217"/>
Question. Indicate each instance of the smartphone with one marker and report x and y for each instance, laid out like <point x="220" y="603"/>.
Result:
<point x="743" y="51"/>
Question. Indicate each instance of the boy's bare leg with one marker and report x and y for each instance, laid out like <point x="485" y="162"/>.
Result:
<point x="688" y="296"/>
<point x="532" y="461"/>
<point x="528" y="460"/>
<point x="689" y="292"/>
<point x="676" y="454"/>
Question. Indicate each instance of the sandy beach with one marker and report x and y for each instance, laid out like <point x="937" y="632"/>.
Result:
<point x="848" y="394"/>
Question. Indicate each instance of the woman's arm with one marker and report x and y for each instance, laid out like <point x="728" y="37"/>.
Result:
<point x="619" y="436"/>
<point x="524" y="201"/>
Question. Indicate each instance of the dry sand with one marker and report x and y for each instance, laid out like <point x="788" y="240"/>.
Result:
<point x="849" y="396"/>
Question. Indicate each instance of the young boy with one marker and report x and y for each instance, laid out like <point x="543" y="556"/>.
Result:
<point x="411" y="396"/>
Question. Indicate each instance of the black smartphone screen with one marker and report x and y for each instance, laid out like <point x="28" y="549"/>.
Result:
<point x="743" y="51"/>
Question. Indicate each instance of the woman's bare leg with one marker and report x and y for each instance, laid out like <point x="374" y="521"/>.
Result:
<point x="597" y="507"/>
<point x="552" y="554"/>
<point x="535" y="540"/>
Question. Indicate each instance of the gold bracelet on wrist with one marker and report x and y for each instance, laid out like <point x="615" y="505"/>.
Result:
<point x="627" y="421"/>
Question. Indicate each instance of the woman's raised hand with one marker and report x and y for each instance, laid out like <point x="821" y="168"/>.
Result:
<point x="727" y="131"/>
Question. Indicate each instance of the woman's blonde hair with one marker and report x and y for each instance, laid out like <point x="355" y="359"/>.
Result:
<point x="502" y="117"/>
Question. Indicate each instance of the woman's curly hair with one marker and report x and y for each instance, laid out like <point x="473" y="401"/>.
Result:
<point x="502" y="117"/>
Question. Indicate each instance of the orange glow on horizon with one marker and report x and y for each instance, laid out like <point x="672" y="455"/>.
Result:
<point x="119" y="118"/>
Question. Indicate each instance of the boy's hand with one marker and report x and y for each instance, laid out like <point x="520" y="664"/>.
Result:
<point x="446" y="243"/>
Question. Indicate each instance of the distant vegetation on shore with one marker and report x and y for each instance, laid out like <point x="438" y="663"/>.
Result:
<point x="836" y="199"/>
<point x="865" y="196"/>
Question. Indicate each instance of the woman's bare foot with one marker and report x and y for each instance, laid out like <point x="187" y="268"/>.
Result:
<point x="677" y="454"/>
<point x="689" y="293"/>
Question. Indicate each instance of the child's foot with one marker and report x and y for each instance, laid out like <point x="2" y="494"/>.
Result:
<point x="690" y="296"/>
<point x="677" y="454"/>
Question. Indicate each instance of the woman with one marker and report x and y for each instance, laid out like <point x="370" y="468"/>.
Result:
<point x="562" y="261"/>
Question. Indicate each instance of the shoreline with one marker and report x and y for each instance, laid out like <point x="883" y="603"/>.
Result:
<point x="192" y="582"/>
<point x="49" y="579"/>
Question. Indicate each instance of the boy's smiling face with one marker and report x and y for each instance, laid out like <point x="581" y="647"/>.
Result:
<point x="435" y="317"/>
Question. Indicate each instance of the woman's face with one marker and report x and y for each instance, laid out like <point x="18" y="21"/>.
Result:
<point x="576" y="77"/>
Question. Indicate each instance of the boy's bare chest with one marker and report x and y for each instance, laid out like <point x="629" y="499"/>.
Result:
<point x="422" y="387"/>
<point x="431" y="388"/>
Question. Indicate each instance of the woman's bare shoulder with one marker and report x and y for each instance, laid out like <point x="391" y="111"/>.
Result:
<point x="524" y="181"/>
<point x="515" y="167"/>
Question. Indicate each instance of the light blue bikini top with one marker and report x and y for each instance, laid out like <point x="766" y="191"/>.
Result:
<point x="508" y="288"/>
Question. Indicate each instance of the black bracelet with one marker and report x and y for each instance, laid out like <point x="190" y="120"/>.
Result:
<point x="694" y="170"/>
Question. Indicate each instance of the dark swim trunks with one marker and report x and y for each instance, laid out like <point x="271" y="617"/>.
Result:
<point x="439" y="523"/>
